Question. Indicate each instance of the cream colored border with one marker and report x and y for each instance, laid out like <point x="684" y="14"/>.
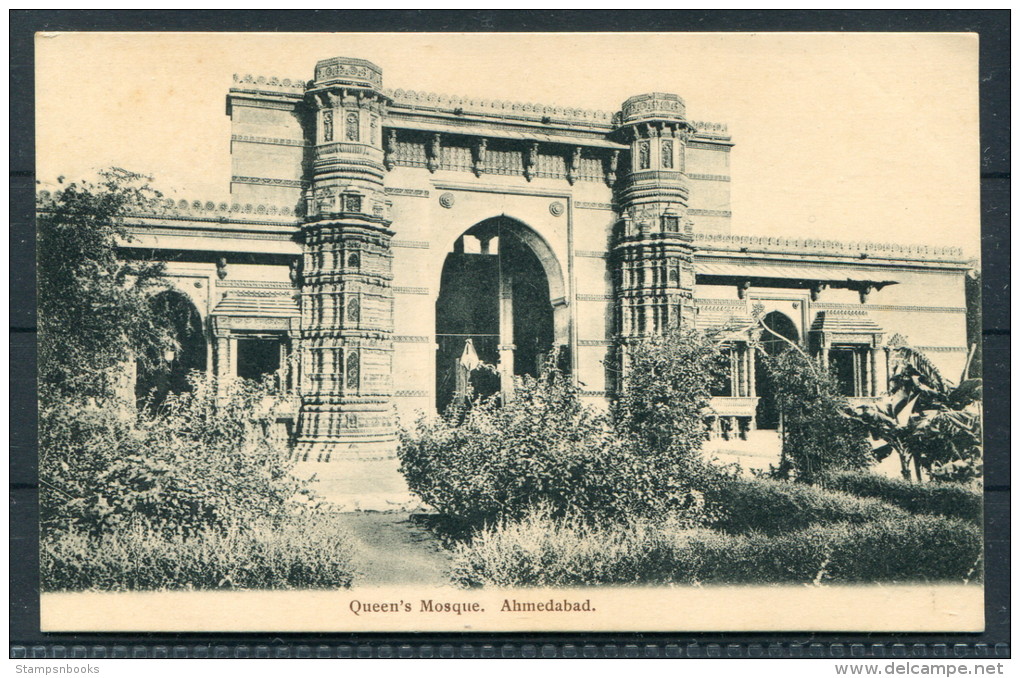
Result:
<point x="919" y="609"/>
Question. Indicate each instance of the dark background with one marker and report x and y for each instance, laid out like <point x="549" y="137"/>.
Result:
<point x="991" y="25"/>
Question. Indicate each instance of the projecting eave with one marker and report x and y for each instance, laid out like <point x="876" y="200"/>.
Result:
<point x="190" y="233"/>
<point x="811" y="274"/>
<point x="752" y="250"/>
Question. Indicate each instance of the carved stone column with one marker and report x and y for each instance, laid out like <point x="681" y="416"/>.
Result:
<point x="880" y="370"/>
<point x="506" y="336"/>
<point x="347" y="298"/>
<point x="222" y="361"/>
<point x="751" y="384"/>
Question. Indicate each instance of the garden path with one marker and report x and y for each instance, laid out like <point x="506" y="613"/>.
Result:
<point x="391" y="549"/>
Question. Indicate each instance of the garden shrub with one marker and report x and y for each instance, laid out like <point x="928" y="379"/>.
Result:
<point x="817" y="434"/>
<point x="198" y="461"/>
<point x="775" y="506"/>
<point x="947" y="499"/>
<point x="666" y="393"/>
<point x="541" y="551"/>
<point x="308" y="550"/>
<point x="543" y="447"/>
<point x="924" y="547"/>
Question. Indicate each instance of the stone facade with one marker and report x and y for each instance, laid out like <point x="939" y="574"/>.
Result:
<point x="379" y="241"/>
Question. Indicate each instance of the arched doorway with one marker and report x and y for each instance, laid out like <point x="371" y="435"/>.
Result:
<point x="160" y="375"/>
<point x="768" y="411"/>
<point x="495" y="316"/>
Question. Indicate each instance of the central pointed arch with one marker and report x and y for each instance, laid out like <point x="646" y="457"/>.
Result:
<point x="501" y="310"/>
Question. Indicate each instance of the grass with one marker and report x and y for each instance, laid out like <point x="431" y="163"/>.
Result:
<point x="777" y="507"/>
<point x="303" y="551"/>
<point x="538" y="551"/>
<point x="946" y="499"/>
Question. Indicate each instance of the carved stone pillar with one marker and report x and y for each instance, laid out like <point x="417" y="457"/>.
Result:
<point x="506" y="336"/>
<point x="752" y="385"/>
<point x="880" y="370"/>
<point x="221" y="335"/>
<point x="823" y="352"/>
<point x="872" y="371"/>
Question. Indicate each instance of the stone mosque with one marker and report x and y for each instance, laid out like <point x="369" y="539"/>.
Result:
<point x="380" y="245"/>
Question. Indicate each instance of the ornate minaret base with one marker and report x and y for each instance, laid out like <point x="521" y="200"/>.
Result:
<point x="347" y="300"/>
<point x="652" y="251"/>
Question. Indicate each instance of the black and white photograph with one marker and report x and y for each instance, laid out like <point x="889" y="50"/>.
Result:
<point x="380" y="332"/>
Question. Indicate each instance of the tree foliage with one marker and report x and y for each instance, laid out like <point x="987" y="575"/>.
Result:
<point x="93" y="306"/>
<point x="201" y="459"/>
<point x="817" y="436"/>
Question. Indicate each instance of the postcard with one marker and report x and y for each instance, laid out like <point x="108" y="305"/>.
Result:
<point x="350" y="332"/>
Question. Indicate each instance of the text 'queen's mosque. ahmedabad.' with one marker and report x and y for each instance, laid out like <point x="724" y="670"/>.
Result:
<point x="379" y="243"/>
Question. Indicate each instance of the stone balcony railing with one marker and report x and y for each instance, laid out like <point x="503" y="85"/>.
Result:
<point x="731" y="417"/>
<point x="431" y="100"/>
<point x="205" y="209"/>
<point x="860" y="250"/>
<point x="260" y="83"/>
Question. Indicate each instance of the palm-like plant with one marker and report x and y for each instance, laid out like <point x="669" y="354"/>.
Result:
<point x="932" y="424"/>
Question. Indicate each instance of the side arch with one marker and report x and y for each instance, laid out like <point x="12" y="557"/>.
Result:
<point x="767" y="414"/>
<point x="157" y="376"/>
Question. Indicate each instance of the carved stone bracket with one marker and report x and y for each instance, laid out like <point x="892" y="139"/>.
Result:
<point x="321" y="101"/>
<point x="435" y="150"/>
<point x="614" y="163"/>
<point x="390" y="150"/>
<point x="742" y="289"/>
<point x="480" y="151"/>
<point x="865" y="290"/>
<point x="530" y="160"/>
<point x="574" y="165"/>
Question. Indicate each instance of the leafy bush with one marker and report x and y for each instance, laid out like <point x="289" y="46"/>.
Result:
<point x="197" y="462"/>
<point x="817" y="434"/>
<point x="773" y="507"/>
<point x="927" y="420"/>
<point x="667" y="390"/>
<point x="540" y="551"/>
<point x="303" y="551"/>
<point x="543" y="447"/>
<point x="929" y="548"/>
<point x="958" y="470"/>
<point x="947" y="499"/>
